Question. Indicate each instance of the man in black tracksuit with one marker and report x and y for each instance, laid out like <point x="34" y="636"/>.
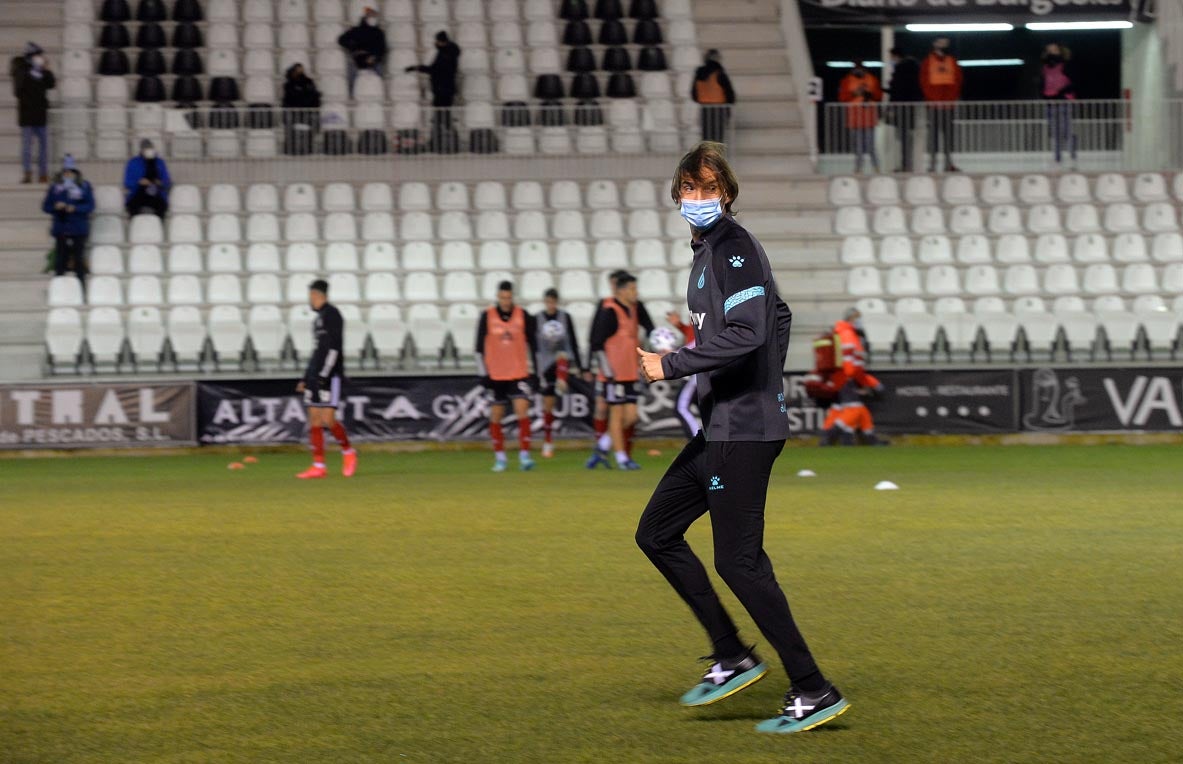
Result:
<point x="742" y="337"/>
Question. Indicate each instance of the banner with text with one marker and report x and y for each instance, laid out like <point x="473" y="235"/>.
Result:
<point x="455" y="408"/>
<point x="1084" y="399"/>
<point x="96" y="415"/>
<point x="867" y="12"/>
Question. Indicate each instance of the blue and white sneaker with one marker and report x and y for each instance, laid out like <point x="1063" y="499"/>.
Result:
<point x="628" y="465"/>
<point x="597" y="458"/>
<point x="526" y="462"/>
<point x="725" y="677"/>
<point x="499" y="465"/>
<point x="804" y="711"/>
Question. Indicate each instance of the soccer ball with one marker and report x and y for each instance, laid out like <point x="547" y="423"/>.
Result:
<point x="663" y="340"/>
<point x="553" y="333"/>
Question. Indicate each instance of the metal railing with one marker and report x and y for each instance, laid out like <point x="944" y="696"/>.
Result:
<point x="984" y="136"/>
<point x="247" y="143"/>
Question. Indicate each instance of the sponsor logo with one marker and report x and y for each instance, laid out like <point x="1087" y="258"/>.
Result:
<point x="698" y="319"/>
<point x="716" y="484"/>
<point x="1053" y="405"/>
<point x="736" y="262"/>
<point x="702" y="278"/>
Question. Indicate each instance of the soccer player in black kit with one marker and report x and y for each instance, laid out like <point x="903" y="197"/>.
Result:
<point x="321" y="385"/>
<point x="742" y="329"/>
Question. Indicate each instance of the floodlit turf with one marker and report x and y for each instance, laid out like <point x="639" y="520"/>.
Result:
<point x="1008" y="604"/>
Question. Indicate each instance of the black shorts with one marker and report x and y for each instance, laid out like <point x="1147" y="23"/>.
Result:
<point x="617" y="393"/>
<point x="323" y="396"/>
<point x="548" y="381"/>
<point x="504" y="391"/>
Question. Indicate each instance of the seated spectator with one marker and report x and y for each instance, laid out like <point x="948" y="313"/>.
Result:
<point x="365" y="46"/>
<point x="301" y="116"/>
<point x="146" y="181"/>
<point x="70" y="201"/>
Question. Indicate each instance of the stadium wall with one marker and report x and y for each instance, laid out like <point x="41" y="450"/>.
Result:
<point x="1053" y="399"/>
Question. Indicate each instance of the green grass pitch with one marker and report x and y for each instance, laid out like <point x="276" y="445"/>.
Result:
<point x="1008" y="604"/>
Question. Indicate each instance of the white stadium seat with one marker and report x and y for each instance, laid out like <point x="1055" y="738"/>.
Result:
<point x="379" y="256"/>
<point x="263" y="288"/>
<point x="302" y="256"/>
<point x="975" y="249"/>
<point x="981" y="280"/>
<point x="104" y="290"/>
<point x="845" y="191"/>
<point x="920" y="189"/>
<point x="382" y="287"/>
<point x="223" y="258"/>
<point x="1083" y="218"/>
<point x="1051" y="248"/>
<point x="896" y="250"/>
<point x="1073" y="188"/>
<point x="1013" y="248"/>
<point x="260" y="197"/>
<point x="858" y="250"/>
<point x="144" y="258"/>
<point x="883" y="189"/>
<point x="223" y="288"/>
<point x="1121" y="217"/>
<point x="1150" y="187"/>
<point x="1061" y="279"/>
<point x="419" y="256"/>
<point x="1100" y="278"/>
<point x="888" y="220"/>
<point x="572" y="254"/>
<point x="1043" y="218"/>
<point x="341" y="256"/>
<point x="1167" y="248"/>
<point x="997" y="189"/>
<point x="903" y="281"/>
<point x="935" y="250"/>
<point x="1130" y="248"/>
<point x="1035" y="189"/>
<point x="1159" y="217"/>
<point x="184" y="289"/>
<point x="1020" y="280"/>
<point x="927" y="219"/>
<point x="864" y="281"/>
<point x="851" y="221"/>
<point x="1111" y="187"/>
<point x="1089" y="248"/>
<point x="958" y="189"/>
<point x="104" y="335"/>
<point x="966" y="218"/>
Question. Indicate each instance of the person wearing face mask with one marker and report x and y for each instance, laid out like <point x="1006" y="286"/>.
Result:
<point x="940" y="80"/>
<point x="742" y="337"/>
<point x="712" y="89"/>
<point x="365" y="47"/>
<point x="849" y="415"/>
<point x="146" y="181"/>
<point x="301" y="103"/>
<point x="442" y="72"/>
<point x="861" y="90"/>
<point x="1056" y="85"/>
<point x="69" y="200"/>
<point x="31" y="82"/>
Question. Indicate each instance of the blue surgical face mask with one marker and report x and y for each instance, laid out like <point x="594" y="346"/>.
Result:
<point x="702" y="214"/>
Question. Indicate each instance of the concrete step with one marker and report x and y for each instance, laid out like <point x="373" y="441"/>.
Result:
<point x="735" y="10"/>
<point x="756" y="61"/>
<point x="20" y="363"/>
<point x="785" y="223"/>
<point x="23" y="328"/>
<point x="772" y="165"/>
<point x="24" y="294"/>
<point x="22" y="235"/>
<point x="25" y="14"/>
<point x="761" y="86"/>
<point x="738" y="34"/>
<point x="771" y="139"/>
<point x="767" y="113"/>
<point x="46" y="31"/>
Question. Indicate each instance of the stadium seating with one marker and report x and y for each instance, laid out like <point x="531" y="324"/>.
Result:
<point x="233" y="55"/>
<point x="1090" y="244"/>
<point x="230" y="273"/>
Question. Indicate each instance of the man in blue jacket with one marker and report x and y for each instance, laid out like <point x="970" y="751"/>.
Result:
<point x="146" y="181"/>
<point x="70" y="201"/>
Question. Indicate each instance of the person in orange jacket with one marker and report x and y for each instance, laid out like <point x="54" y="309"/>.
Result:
<point x="940" y="81"/>
<point x="849" y="415"/>
<point x="862" y="91"/>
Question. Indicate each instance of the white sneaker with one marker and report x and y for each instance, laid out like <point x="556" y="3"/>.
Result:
<point x="548" y="450"/>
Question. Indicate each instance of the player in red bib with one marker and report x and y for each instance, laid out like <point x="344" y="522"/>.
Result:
<point x="506" y="349"/>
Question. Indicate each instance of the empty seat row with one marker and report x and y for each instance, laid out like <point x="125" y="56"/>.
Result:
<point x="412" y="196"/>
<point x="1012" y="249"/>
<point x="1000" y="189"/>
<point x="421" y="286"/>
<point x="453" y="225"/>
<point x="1152" y="325"/>
<point x="265" y="257"/>
<point x="1083" y="217"/>
<point x="1062" y="279"/>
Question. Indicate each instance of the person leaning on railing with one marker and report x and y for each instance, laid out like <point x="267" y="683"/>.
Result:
<point x="940" y="79"/>
<point x="1056" y="85"/>
<point x="712" y="89"/>
<point x="861" y="91"/>
<point x="301" y="115"/>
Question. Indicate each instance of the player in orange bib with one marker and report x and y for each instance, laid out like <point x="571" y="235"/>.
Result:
<point x="614" y="338"/>
<point x="506" y="350"/>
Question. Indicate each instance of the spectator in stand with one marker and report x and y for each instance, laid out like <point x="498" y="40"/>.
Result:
<point x="712" y="89"/>
<point x="904" y="89"/>
<point x="31" y="82"/>
<point x="146" y="181"/>
<point x="70" y="201"/>
<point x="940" y="79"/>
<point x="301" y="103"/>
<point x="1056" y="85"/>
<point x="860" y="89"/>
<point x="442" y="71"/>
<point x="365" y="46"/>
